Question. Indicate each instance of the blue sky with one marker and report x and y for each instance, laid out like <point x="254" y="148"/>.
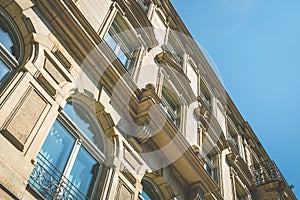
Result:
<point x="255" y="45"/>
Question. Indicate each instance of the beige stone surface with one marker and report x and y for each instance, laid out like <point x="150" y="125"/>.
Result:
<point x="4" y="195"/>
<point x="12" y="180"/>
<point x="27" y="116"/>
<point x="53" y="71"/>
<point x="124" y="193"/>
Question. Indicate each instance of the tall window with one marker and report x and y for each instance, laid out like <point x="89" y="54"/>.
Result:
<point x="233" y="134"/>
<point x="211" y="166"/>
<point x="211" y="158"/>
<point x="122" y="42"/>
<point x="170" y="104"/>
<point x="69" y="162"/>
<point x="205" y="94"/>
<point x="240" y="193"/>
<point x="175" y="47"/>
<point x="9" y="47"/>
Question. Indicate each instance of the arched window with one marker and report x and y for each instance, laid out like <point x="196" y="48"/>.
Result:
<point x="69" y="163"/>
<point x="85" y="122"/>
<point x="151" y="191"/>
<point x="10" y="45"/>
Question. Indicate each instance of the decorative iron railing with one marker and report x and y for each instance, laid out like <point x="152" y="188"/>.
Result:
<point x="49" y="182"/>
<point x="266" y="172"/>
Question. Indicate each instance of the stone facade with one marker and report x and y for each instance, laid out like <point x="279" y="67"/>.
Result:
<point x="105" y="99"/>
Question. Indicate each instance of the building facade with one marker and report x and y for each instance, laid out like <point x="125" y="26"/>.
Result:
<point x="112" y="99"/>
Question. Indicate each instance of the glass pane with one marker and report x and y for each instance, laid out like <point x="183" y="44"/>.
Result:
<point x="58" y="146"/>
<point x="84" y="173"/>
<point x="117" y="48"/>
<point x="173" y="105"/>
<point x="124" y="59"/>
<point x="5" y="38"/>
<point x="81" y="117"/>
<point x="110" y="41"/>
<point x="145" y="196"/>
<point x="3" y="69"/>
<point x="51" y="161"/>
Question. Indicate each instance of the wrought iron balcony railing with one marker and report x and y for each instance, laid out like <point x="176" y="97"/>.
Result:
<point x="50" y="183"/>
<point x="266" y="172"/>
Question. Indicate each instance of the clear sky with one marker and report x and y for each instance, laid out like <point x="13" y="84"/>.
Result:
<point x="256" y="46"/>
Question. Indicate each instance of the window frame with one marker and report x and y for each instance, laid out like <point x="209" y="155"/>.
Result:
<point x="81" y="141"/>
<point x="233" y="134"/>
<point x="7" y="58"/>
<point x="174" y="115"/>
<point x="211" y="158"/>
<point x="211" y="166"/>
<point x="205" y="94"/>
<point x="129" y="50"/>
<point x="175" y="47"/>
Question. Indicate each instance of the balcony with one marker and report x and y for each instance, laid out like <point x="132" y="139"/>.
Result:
<point x="269" y="182"/>
<point x="49" y="183"/>
<point x="266" y="172"/>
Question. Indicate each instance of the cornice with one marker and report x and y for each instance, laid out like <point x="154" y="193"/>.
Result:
<point x="177" y="75"/>
<point x="141" y="23"/>
<point x="239" y="165"/>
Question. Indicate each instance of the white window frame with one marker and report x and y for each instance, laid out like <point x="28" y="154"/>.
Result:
<point x="132" y="54"/>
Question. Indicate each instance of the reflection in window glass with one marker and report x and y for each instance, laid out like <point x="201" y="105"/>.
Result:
<point x="120" y="41"/>
<point x="63" y="142"/>
<point x="6" y="45"/>
<point x="64" y="167"/>
<point x="83" y="121"/>
<point x="5" y="38"/>
<point x="84" y="172"/>
<point x="52" y="160"/>
<point x="170" y="105"/>
<point x="3" y="70"/>
<point x="145" y="196"/>
<point x="119" y="48"/>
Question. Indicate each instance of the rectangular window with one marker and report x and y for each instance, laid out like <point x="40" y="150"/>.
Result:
<point x="211" y="166"/>
<point x="175" y="48"/>
<point x="170" y="104"/>
<point x="122" y="41"/>
<point x="205" y="94"/>
<point x="233" y="134"/>
<point x="211" y="157"/>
